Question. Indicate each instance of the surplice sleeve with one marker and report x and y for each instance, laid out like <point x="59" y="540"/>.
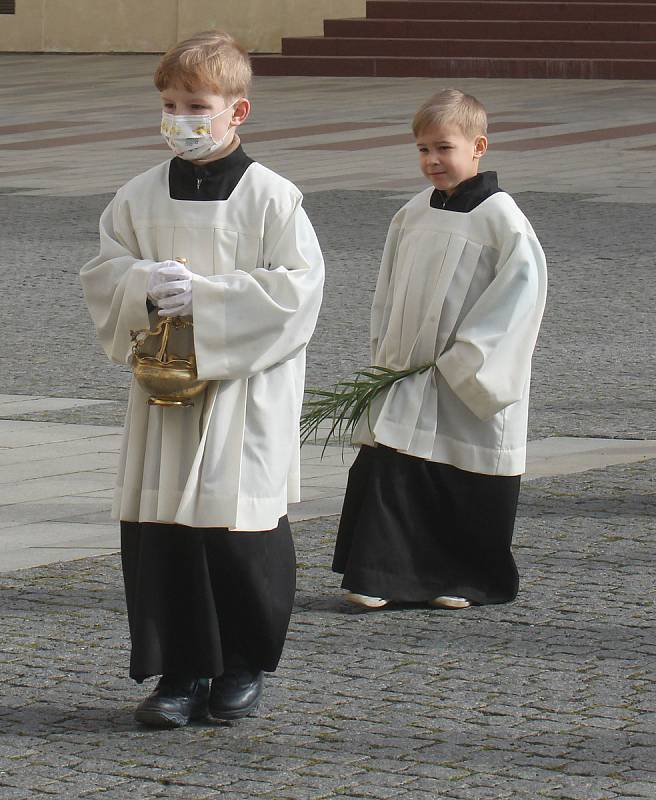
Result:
<point x="489" y="362"/>
<point x="115" y="282"/>
<point x="248" y="321"/>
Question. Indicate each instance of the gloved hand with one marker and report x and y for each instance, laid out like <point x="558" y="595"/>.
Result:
<point x="172" y="290"/>
<point x="156" y="278"/>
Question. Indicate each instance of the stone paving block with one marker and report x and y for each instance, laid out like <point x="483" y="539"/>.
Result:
<point x="369" y="790"/>
<point x="11" y="405"/>
<point x="63" y="534"/>
<point x="571" y="793"/>
<point x="43" y="452"/>
<point x="19" y="434"/>
<point x="438" y="772"/>
<point x="59" y="508"/>
<point x="324" y="493"/>
<point x="73" y="484"/>
<point x="11" y="793"/>
<point x="488" y="793"/>
<point x="12" y="398"/>
<point x="327" y="482"/>
<point x="331" y="774"/>
<point x="63" y="465"/>
<point x="312" y="509"/>
<point x="640" y="788"/>
<point x="102" y="494"/>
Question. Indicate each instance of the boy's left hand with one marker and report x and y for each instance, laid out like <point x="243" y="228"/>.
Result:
<point x="173" y="295"/>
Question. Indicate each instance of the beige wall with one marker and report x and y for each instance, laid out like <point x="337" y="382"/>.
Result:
<point x="151" y="26"/>
<point x="260" y="24"/>
<point x="24" y="29"/>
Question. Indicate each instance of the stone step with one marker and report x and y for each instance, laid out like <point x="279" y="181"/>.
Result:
<point x="511" y="9"/>
<point x="613" y="39"/>
<point x="465" y="48"/>
<point x="553" y="30"/>
<point x="605" y="2"/>
<point x="357" y="66"/>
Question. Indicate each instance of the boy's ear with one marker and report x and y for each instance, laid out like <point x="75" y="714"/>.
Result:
<point x="480" y="146"/>
<point x="240" y="111"/>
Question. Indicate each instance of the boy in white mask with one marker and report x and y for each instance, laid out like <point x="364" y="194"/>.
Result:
<point x="207" y="553"/>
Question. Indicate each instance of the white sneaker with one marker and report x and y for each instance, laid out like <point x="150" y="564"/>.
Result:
<point x="445" y="601"/>
<point x="365" y="601"/>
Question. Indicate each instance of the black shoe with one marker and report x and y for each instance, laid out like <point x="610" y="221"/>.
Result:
<point x="174" y="702"/>
<point x="236" y="693"/>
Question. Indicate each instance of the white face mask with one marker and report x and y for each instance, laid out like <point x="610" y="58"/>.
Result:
<point x="190" y="136"/>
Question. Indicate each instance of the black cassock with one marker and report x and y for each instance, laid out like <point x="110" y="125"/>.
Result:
<point x="412" y="530"/>
<point x="201" y="597"/>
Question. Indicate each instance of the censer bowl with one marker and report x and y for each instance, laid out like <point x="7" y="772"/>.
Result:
<point x="170" y="380"/>
<point x="173" y="383"/>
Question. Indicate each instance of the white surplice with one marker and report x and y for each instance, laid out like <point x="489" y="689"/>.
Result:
<point x="465" y="292"/>
<point x="233" y="459"/>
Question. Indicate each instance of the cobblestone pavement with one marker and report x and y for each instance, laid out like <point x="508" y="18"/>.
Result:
<point x="549" y="697"/>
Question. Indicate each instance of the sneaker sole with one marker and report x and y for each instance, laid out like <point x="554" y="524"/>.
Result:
<point x="450" y="605"/>
<point x="356" y="601"/>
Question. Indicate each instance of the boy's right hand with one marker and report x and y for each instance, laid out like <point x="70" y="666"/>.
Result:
<point x="160" y="275"/>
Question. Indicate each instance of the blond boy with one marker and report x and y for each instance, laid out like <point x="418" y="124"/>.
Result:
<point x="208" y="558"/>
<point x="431" y="499"/>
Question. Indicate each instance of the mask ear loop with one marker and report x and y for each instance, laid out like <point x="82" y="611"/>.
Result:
<point x="227" y="108"/>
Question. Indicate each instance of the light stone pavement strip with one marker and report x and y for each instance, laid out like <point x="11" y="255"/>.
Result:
<point x="57" y="480"/>
<point x="551" y="696"/>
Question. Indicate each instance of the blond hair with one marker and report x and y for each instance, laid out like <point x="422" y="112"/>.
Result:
<point x="211" y="59"/>
<point x="451" y="106"/>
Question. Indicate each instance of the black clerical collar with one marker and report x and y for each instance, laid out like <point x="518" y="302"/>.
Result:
<point x="215" y="180"/>
<point x="468" y="194"/>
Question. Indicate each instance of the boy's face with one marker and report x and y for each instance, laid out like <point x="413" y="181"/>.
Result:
<point x="447" y="157"/>
<point x="181" y="102"/>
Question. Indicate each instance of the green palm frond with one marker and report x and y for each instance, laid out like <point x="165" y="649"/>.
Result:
<point x="348" y="401"/>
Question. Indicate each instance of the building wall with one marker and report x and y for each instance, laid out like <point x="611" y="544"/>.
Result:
<point x="151" y="26"/>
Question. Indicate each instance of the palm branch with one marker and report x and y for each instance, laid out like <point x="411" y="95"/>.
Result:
<point x="345" y="404"/>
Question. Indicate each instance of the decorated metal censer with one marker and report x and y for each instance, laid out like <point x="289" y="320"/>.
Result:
<point x="169" y="379"/>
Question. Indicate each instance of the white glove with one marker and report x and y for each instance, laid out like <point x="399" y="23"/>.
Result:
<point x="156" y="278"/>
<point x="172" y="289"/>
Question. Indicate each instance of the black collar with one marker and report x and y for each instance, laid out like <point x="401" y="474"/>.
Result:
<point x="215" y="180"/>
<point x="468" y="194"/>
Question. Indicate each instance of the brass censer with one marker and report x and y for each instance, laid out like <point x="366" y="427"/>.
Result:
<point x="170" y="380"/>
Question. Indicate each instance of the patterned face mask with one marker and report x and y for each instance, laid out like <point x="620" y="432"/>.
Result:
<point x="190" y="136"/>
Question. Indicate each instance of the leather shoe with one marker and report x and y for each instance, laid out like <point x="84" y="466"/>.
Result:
<point x="174" y="702"/>
<point x="236" y="693"/>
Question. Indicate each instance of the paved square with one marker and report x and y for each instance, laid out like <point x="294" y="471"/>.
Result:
<point x="552" y="696"/>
